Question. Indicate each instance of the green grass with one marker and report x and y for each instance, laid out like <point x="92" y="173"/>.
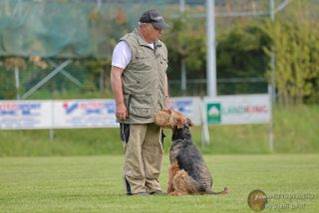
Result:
<point x="94" y="184"/>
<point x="296" y="130"/>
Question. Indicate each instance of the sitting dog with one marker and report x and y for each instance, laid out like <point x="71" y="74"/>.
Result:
<point x="188" y="174"/>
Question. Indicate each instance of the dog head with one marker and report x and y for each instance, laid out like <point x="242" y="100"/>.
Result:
<point x="169" y="118"/>
<point x="183" y="132"/>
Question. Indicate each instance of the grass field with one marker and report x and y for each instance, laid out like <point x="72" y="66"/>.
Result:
<point x="94" y="184"/>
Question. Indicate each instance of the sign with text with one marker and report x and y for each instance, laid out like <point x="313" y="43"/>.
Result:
<point x="25" y="114"/>
<point x="99" y="113"/>
<point x="238" y="109"/>
<point x="84" y="113"/>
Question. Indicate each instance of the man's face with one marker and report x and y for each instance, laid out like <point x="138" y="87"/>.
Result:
<point x="152" y="33"/>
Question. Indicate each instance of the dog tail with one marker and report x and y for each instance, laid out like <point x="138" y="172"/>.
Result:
<point x="224" y="192"/>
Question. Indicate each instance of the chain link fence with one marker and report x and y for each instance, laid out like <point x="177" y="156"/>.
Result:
<point x="87" y="30"/>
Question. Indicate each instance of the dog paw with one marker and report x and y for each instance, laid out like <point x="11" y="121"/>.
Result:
<point x="175" y="193"/>
<point x="226" y="190"/>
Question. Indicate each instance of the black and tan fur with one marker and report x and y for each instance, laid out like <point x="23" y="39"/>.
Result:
<point x="188" y="173"/>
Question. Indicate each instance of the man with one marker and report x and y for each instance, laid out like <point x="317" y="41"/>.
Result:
<point x="139" y="84"/>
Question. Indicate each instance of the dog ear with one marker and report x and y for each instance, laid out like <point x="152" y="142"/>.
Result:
<point x="169" y="111"/>
<point x="180" y="122"/>
<point x="189" y="122"/>
<point x="179" y="126"/>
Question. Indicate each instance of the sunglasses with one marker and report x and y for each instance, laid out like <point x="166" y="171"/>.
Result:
<point x="156" y="28"/>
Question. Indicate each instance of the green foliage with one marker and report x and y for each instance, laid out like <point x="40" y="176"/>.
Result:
<point x="240" y="55"/>
<point x="7" y="84"/>
<point x="98" y="74"/>
<point x="295" y="44"/>
<point x="186" y="41"/>
<point x="240" y="52"/>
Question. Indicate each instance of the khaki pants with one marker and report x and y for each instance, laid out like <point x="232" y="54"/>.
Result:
<point x="143" y="158"/>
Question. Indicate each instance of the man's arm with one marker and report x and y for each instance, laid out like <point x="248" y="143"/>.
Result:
<point x="167" y="100"/>
<point x="117" y="88"/>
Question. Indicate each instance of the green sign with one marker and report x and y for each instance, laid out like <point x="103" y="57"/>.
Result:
<point x="213" y="113"/>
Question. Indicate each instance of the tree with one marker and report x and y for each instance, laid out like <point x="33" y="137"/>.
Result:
<point x="186" y="42"/>
<point x="240" y="55"/>
<point x="295" y="44"/>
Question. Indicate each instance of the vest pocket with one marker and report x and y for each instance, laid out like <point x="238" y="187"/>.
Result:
<point x="140" y="106"/>
<point x="142" y="62"/>
<point x="164" y="63"/>
<point x="141" y="112"/>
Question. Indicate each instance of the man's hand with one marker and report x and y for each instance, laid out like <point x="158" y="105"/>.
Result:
<point x="121" y="111"/>
<point x="168" y="103"/>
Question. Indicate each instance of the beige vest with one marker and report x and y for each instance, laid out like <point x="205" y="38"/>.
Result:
<point x="143" y="79"/>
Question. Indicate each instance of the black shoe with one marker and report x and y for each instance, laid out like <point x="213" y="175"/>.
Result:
<point x="157" y="192"/>
<point x="141" y="194"/>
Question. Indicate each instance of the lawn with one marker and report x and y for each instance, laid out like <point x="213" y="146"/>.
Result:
<point x="94" y="184"/>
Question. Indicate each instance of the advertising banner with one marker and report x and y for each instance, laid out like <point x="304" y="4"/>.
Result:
<point x="99" y="113"/>
<point x="190" y="107"/>
<point x="25" y="114"/>
<point x="238" y="109"/>
<point x="84" y="113"/>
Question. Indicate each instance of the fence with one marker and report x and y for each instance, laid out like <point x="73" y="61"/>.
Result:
<point x="197" y="87"/>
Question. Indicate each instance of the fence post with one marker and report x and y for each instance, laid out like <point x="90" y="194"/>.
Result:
<point x="271" y="122"/>
<point x="205" y="138"/>
<point x="17" y="79"/>
<point x="51" y="130"/>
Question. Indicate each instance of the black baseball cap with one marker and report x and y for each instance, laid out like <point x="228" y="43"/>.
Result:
<point x="153" y="17"/>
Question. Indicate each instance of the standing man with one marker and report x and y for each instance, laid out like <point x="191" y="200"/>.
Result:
<point x="139" y="84"/>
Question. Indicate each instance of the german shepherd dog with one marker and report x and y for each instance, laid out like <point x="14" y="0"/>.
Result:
<point x="188" y="173"/>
